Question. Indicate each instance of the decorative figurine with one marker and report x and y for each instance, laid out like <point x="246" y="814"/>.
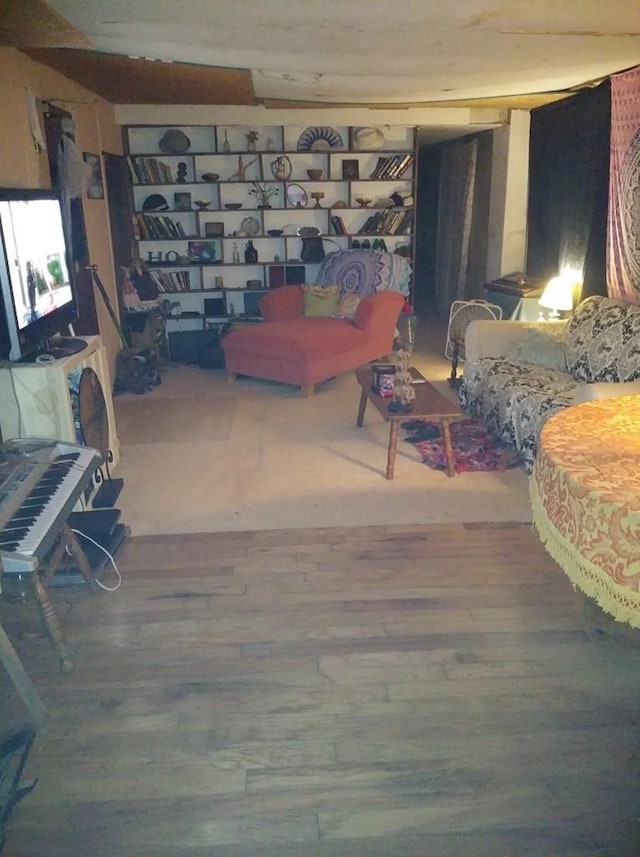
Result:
<point x="252" y="139"/>
<point x="403" y="391"/>
<point x="182" y="172"/>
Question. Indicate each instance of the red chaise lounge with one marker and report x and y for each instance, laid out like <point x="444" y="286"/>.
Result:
<point x="295" y="349"/>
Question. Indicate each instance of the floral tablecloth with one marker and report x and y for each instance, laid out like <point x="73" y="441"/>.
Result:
<point x="585" y="497"/>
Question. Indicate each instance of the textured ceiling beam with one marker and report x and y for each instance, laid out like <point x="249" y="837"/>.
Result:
<point x="33" y="23"/>
<point x="125" y="80"/>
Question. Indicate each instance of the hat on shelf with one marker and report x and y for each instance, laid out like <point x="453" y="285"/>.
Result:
<point x="155" y="202"/>
<point x="174" y="142"/>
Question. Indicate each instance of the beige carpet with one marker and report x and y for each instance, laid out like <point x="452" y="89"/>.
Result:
<point x="257" y="455"/>
<point x="181" y="419"/>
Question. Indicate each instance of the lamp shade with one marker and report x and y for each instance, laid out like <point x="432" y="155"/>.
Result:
<point x="558" y="295"/>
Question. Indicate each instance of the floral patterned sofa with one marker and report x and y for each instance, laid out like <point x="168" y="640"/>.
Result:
<point x="517" y="374"/>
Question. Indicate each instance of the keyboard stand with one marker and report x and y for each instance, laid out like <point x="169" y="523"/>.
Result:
<point x="67" y="542"/>
<point x="8" y="656"/>
<point x="23" y="684"/>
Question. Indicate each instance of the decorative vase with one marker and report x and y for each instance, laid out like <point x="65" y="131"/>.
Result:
<point x="250" y="253"/>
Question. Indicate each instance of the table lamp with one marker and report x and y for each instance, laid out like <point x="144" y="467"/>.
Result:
<point x="557" y="297"/>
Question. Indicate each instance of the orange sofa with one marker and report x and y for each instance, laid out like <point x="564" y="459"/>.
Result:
<point x="290" y="347"/>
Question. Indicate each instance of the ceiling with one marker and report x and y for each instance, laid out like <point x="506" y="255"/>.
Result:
<point x="335" y="52"/>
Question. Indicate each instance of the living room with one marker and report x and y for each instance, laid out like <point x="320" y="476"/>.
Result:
<point x="303" y="656"/>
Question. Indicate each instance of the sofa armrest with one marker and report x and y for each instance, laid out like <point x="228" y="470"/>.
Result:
<point x="489" y="338"/>
<point x="605" y="390"/>
<point x="377" y="315"/>
<point x="282" y="303"/>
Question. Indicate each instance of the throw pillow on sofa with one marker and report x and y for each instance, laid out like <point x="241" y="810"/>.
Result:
<point x="347" y="306"/>
<point x="542" y="345"/>
<point x="602" y="341"/>
<point x="320" y="301"/>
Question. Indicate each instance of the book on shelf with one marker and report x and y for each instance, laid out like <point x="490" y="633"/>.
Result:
<point x="392" y="166"/>
<point x="402" y="166"/>
<point x="149" y="171"/>
<point x="338" y="225"/>
<point x="170" y="281"/>
<point x="155" y="227"/>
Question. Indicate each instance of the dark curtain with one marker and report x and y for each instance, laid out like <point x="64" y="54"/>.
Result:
<point x="118" y="195"/>
<point x="437" y="193"/>
<point x="455" y="218"/>
<point x="87" y="322"/>
<point x="568" y="188"/>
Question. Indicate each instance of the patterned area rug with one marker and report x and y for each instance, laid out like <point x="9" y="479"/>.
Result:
<point x="473" y="447"/>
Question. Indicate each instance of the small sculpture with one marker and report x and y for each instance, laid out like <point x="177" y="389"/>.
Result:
<point x="403" y="391"/>
<point x="281" y="168"/>
<point x="182" y="173"/>
<point x="252" y="139"/>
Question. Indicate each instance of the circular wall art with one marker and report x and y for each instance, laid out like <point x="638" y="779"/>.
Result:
<point x="319" y="139"/>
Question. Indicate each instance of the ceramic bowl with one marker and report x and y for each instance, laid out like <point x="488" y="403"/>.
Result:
<point x="275" y="233"/>
<point x="233" y="206"/>
<point x="314" y="175"/>
<point x="202" y="203"/>
<point x="364" y="201"/>
<point x="210" y="177"/>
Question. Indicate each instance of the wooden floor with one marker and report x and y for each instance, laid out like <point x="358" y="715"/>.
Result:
<point x="430" y="691"/>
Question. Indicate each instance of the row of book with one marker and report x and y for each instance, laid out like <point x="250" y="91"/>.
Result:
<point x="392" y="167"/>
<point x="390" y="221"/>
<point x="157" y="227"/>
<point x="170" y="281"/>
<point x="149" y="171"/>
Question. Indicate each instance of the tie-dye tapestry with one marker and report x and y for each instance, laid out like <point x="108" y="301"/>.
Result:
<point x="623" y="231"/>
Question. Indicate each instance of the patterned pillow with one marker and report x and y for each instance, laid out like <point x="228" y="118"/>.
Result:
<point x="347" y="306"/>
<point x="320" y="301"/>
<point x="602" y="341"/>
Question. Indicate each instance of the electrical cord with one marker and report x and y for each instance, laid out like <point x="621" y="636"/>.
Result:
<point x="111" y="560"/>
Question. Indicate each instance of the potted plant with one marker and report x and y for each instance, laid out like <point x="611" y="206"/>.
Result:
<point x="263" y="193"/>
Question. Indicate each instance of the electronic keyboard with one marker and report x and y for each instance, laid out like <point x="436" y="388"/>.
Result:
<point x="41" y="480"/>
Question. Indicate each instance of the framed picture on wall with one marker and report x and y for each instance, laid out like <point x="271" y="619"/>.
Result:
<point x="95" y="188"/>
<point x="182" y="201"/>
<point x="351" y="169"/>
<point x="204" y="251"/>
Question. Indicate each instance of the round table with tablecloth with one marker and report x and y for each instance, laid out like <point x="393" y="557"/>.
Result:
<point x="585" y="497"/>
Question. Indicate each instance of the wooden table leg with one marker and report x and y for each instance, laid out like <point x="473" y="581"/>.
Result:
<point x="51" y="623"/>
<point x="448" y="448"/>
<point x="393" y="446"/>
<point x="361" y="408"/>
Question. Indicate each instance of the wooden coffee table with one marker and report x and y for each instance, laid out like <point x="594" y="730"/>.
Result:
<point x="428" y="404"/>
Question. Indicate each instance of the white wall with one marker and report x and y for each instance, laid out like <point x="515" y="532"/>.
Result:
<point x="507" y="245"/>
